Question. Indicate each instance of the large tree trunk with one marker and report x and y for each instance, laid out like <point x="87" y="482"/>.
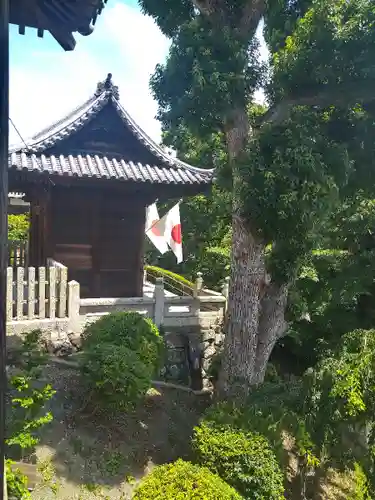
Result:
<point x="256" y="306"/>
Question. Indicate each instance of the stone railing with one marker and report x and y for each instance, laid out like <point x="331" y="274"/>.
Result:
<point x="167" y="311"/>
<point x="40" y="298"/>
<point x="43" y="299"/>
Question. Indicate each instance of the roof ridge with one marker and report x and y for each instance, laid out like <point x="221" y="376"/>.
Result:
<point x="158" y="150"/>
<point x="64" y="119"/>
<point x="77" y="118"/>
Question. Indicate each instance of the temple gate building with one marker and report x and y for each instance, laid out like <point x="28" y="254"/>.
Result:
<point x="88" y="179"/>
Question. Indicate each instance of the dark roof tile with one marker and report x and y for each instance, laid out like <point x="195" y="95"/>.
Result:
<point x="171" y="171"/>
<point x="105" y="168"/>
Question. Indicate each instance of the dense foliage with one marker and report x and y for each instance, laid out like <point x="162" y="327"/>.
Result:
<point x="18" y="227"/>
<point x="28" y="397"/>
<point x="328" y="412"/>
<point x="121" y="354"/>
<point x="244" y="460"/>
<point x="334" y="293"/>
<point x="184" y="481"/>
<point x="16" y="483"/>
<point x="287" y="168"/>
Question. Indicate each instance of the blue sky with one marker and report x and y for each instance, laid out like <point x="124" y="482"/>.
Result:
<point x="46" y="82"/>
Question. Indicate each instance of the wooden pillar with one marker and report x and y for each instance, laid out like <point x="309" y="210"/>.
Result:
<point x="141" y="256"/>
<point x="97" y="207"/>
<point x="4" y="130"/>
<point x="40" y="244"/>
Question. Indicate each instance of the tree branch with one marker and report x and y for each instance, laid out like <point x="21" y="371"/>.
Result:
<point x="205" y="7"/>
<point x="338" y="95"/>
<point x="251" y="16"/>
<point x="272" y="326"/>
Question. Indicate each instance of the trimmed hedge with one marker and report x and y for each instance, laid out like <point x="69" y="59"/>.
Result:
<point x="121" y="353"/>
<point x="164" y="272"/>
<point x="244" y="460"/>
<point x="184" y="481"/>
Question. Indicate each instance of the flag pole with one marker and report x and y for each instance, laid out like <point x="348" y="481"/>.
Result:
<point x="4" y="130"/>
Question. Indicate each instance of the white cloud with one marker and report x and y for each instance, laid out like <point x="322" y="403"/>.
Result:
<point x="50" y="83"/>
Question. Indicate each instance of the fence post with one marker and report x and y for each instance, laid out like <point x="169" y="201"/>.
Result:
<point x="63" y="281"/>
<point x="198" y="284"/>
<point x="159" y="297"/>
<point x="31" y="293"/>
<point x="73" y="306"/>
<point x="9" y="293"/>
<point x="20" y="292"/>
<point x="42" y="292"/>
<point x="52" y="292"/>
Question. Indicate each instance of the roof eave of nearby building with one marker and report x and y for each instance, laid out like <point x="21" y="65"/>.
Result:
<point x="61" y="18"/>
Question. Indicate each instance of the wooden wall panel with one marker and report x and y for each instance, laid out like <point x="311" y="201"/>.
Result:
<point x="99" y="238"/>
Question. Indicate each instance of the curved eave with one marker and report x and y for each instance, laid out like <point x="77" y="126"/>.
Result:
<point x="104" y="168"/>
<point x="64" y="128"/>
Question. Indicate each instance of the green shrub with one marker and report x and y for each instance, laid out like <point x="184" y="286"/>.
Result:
<point x="184" y="481"/>
<point x="165" y="273"/>
<point x="27" y="397"/>
<point x="16" y="483"/>
<point x="18" y="227"/>
<point x="121" y="353"/>
<point x="244" y="460"/>
<point x="362" y="491"/>
<point x="271" y="410"/>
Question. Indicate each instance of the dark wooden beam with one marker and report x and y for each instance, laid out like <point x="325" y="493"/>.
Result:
<point x="62" y="18"/>
<point x="4" y="130"/>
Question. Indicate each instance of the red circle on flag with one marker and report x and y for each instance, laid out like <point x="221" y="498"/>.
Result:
<point x="176" y="234"/>
<point x="154" y="228"/>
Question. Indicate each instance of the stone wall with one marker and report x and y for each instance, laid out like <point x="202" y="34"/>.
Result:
<point x="188" y="350"/>
<point x="212" y="338"/>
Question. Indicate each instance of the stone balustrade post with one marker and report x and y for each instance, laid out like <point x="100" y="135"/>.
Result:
<point x="159" y="297"/>
<point x="74" y="306"/>
<point x="225" y="289"/>
<point x="198" y="284"/>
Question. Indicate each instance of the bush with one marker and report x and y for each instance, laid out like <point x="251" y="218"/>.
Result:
<point x="244" y="460"/>
<point x="184" y="481"/>
<point x="121" y="353"/>
<point x="18" y="227"/>
<point x="27" y="397"/>
<point x="16" y="483"/>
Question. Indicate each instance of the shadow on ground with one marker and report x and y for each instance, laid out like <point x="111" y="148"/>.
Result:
<point x="113" y="451"/>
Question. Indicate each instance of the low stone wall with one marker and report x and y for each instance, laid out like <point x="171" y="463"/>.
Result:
<point x="188" y="354"/>
<point x="191" y="324"/>
<point x="212" y="338"/>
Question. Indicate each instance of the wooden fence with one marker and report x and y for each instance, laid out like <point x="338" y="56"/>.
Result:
<point x="36" y="294"/>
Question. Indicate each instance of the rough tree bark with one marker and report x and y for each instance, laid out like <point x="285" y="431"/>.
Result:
<point x="255" y="313"/>
<point x="256" y="307"/>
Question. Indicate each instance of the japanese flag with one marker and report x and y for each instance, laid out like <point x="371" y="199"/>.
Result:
<point x="156" y="237"/>
<point x="170" y="226"/>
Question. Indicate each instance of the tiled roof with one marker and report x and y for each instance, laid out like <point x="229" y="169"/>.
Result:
<point x="107" y="168"/>
<point x="171" y="170"/>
